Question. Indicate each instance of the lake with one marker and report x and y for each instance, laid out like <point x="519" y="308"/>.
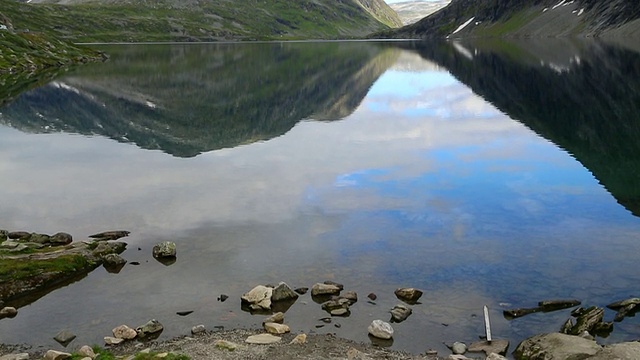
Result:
<point x="496" y="174"/>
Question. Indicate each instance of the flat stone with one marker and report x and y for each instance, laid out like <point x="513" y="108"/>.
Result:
<point x="324" y="289"/>
<point x="556" y="346"/>
<point x="56" y="355"/>
<point x="299" y="339"/>
<point x="64" y="337"/>
<point x="263" y="339"/>
<point x="112" y="341"/>
<point x="225" y="345"/>
<point x="498" y="346"/>
<point x="124" y="332"/>
<point x="625" y="350"/>
<point x="275" y="328"/>
<point x="339" y="312"/>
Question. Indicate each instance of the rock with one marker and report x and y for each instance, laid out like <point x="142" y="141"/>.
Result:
<point x="9" y="244"/>
<point x="324" y="289"/>
<point x="340" y="312"/>
<point x="165" y="249"/>
<point x="151" y="327"/>
<point x="283" y="292"/>
<point x="110" y="235"/>
<point x="223" y="297"/>
<point x="263" y="339"/>
<point x="112" y="341"/>
<point x="301" y="290"/>
<point x="380" y="329"/>
<point x="299" y="339"/>
<point x="553" y="305"/>
<point x="19" y="248"/>
<point x="352" y="296"/>
<point x="624" y="311"/>
<point x="400" y="313"/>
<point x="184" y="313"/>
<point x="56" y="355"/>
<point x="355" y="354"/>
<point x="555" y="346"/>
<point x="37" y="238"/>
<point x="8" y="312"/>
<point x="494" y="356"/>
<point x="87" y="351"/>
<point x="225" y="345"/>
<point x="258" y="298"/>
<point x="566" y="327"/>
<point x="275" y="318"/>
<point x="625" y="350"/>
<point x="587" y="320"/>
<point x="113" y="261"/>
<point x="340" y="286"/>
<point x="620" y="304"/>
<point x="64" y="337"/>
<point x="275" y="328"/>
<point x="108" y="248"/>
<point x="498" y="346"/>
<point x="124" y="332"/>
<point x="459" y="348"/>
<point x="22" y="235"/>
<point x="21" y="356"/>
<point x="335" y="303"/>
<point x="408" y="295"/>
<point x="61" y="238"/>
<point x="4" y="235"/>
<point x="457" y="357"/>
<point x="198" y="329"/>
<point x="586" y="335"/>
<point x="372" y="296"/>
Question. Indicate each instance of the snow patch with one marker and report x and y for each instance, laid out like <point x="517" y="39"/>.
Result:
<point x="545" y="9"/>
<point x="462" y="50"/>
<point x="559" y="4"/>
<point x="463" y="26"/>
<point x="151" y="105"/>
<point x="581" y="11"/>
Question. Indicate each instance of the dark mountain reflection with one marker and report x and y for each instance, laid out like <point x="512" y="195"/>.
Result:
<point x="582" y="95"/>
<point x="188" y="99"/>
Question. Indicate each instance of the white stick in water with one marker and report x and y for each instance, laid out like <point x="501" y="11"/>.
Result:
<point x="487" y="324"/>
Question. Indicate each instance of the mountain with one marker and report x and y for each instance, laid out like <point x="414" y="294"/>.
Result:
<point x="185" y="99"/>
<point x="201" y="20"/>
<point x="584" y="96"/>
<point x="412" y="11"/>
<point x="527" y="18"/>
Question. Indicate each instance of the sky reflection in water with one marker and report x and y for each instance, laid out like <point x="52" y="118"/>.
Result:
<point x="425" y="185"/>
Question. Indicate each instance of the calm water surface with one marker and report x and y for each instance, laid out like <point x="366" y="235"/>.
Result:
<point x="483" y="177"/>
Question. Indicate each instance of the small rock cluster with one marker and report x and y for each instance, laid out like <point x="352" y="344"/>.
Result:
<point x="150" y="329"/>
<point x="16" y="241"/>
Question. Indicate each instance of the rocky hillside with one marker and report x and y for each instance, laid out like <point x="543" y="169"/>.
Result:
<point x="413" y="11"/>
<point x="528" y="18"/>
<point x="191" y="20"/>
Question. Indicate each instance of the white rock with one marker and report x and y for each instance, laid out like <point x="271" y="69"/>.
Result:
<point x="299" y="339"/>
<point x="381" y="329"/>
<point x="56" y="355"/>
<point x="124" y="332"/>
<point x="259" y="297"/>
<point x="198" y="329"/>
<point x="112" y="341"/>
<point x="262" y="339"/>
<point x="459" y="348"/>
<point x="275" y="328"/>
<point x="87" y="351"/>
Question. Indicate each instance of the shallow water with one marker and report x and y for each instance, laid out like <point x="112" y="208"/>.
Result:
<point x="373" y="165"/>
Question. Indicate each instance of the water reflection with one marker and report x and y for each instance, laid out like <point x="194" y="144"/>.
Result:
<point x="423" y="184"/>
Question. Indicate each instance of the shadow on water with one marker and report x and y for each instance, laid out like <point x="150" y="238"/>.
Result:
<point x="168" y="98"/>
<point x="584" y="96"/>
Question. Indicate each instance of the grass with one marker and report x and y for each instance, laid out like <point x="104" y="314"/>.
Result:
<point x="11" y="270"/>
<point x="509" y="26"/>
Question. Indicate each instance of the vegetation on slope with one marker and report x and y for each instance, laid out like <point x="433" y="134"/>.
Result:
<point x="168" y="20"/>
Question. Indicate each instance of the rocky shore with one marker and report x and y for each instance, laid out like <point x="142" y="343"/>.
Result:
<point x="33" y="263"/>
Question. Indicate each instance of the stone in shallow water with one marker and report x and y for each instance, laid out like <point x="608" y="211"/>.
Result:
<point x="380" y="329"/>
<point x="198" y="329"/>
<point x="408" y="295"/>
<point x="556" y="346"/>
<point x="283" y="292"/>
<point x="64" y="337"/>
<point x="498" y="346"/>
<point x="400" y="313"/>
<point x="56" y="355"/>
<point x="275" y="318"/>
<point x="324" y="289"/>
<point x="124" y="332"/>
<point x="275" y="328"/>
<point x="165" y="249"/>
<point x="263" y="339"/>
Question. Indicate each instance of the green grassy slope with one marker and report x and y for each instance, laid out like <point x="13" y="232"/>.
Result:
<point x="166" y="20"/>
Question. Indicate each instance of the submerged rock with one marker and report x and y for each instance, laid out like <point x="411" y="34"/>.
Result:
<point x="400" y="313"/>
<point x="275" y="318"/>
<point x="498" y="346"/>
<point x="153" y="326"/>
<point x="64" y="337"/>
<point x="110" y="235"/>
<point x="380" y="329"/>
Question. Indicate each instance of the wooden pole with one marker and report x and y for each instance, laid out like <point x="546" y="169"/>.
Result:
<point x="487" y="324"/>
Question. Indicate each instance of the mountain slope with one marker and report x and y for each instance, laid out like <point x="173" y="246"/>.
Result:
<point x="413" y="11"/>
<point x="527" y="18"/>
<point x="197" y="20"/>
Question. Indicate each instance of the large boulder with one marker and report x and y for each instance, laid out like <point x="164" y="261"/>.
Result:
<point x="258" y="298"/>
<point x="555" y="346"/>
<point x="626" y="350"/>
<point x="380" y="329"/>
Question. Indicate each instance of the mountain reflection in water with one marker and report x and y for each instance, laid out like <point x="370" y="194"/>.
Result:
<point x="421" y="183"/>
